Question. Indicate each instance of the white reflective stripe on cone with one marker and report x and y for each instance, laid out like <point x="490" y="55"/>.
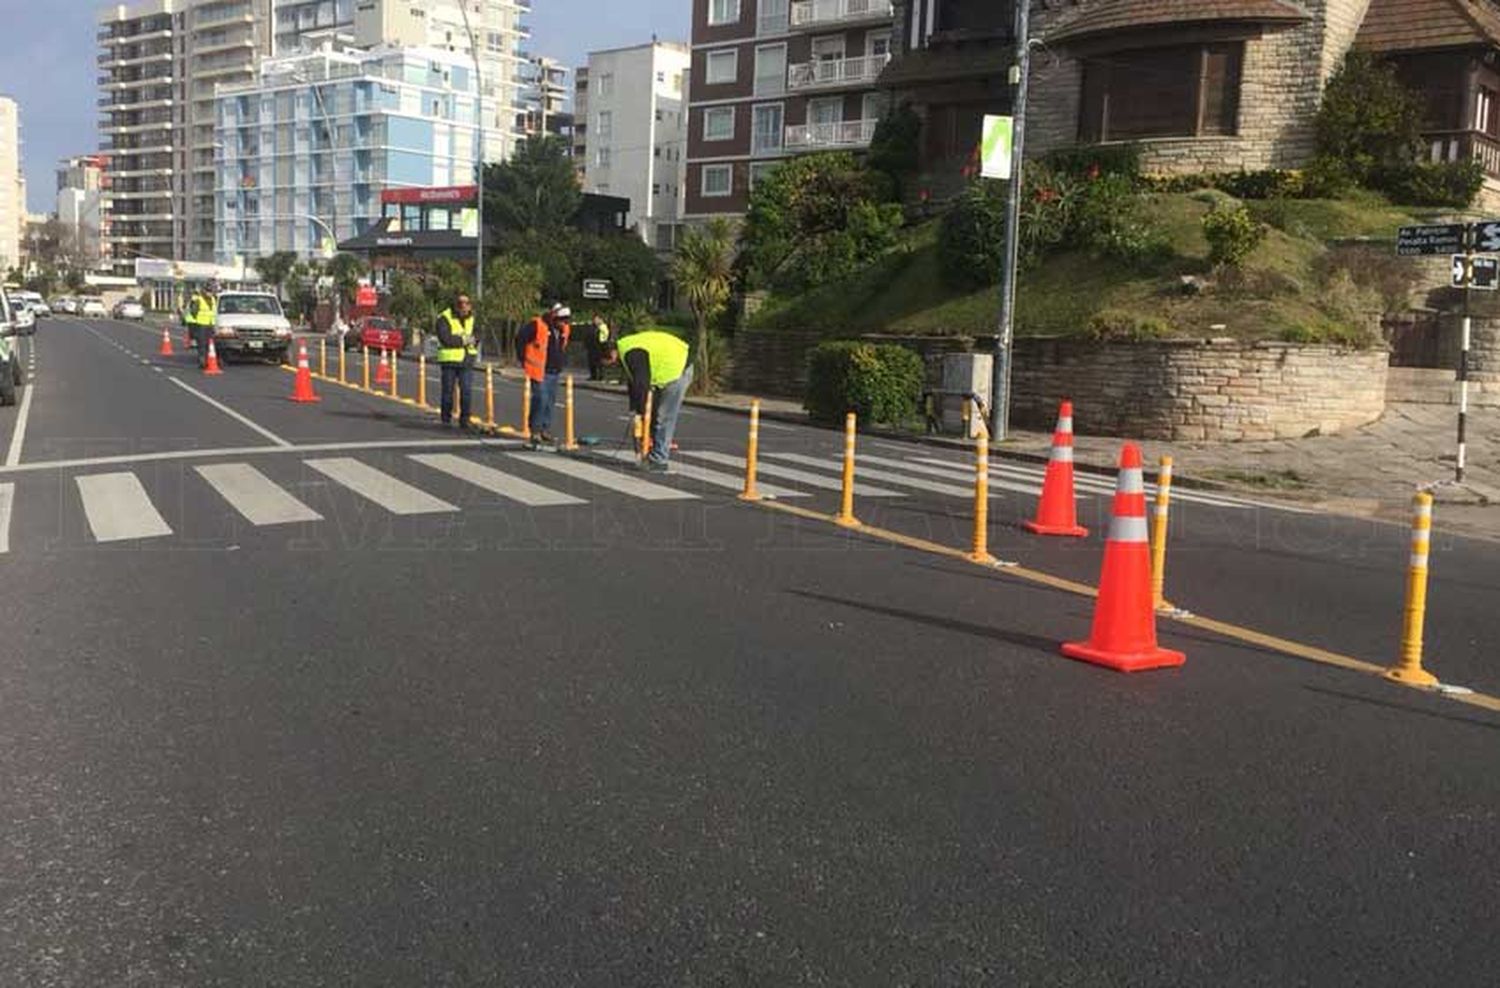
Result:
<point x="1065" y="424"/>
<point x="1062" y="454"/>
<point x="1128" y="528"/>
<point x="1130" y="481"/>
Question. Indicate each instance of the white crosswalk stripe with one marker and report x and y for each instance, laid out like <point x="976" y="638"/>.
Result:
<point x="392" y="494"/>
<point x="787" y="473"/>
<point x="884" y="476"/>
<point x="495" y="481"/>
<point x="706" y="476"/>
<point x="7" y="501"/>
<point x="958" y="475"/>
<point x="254" y="495"/>
<point x="117" y="508"/>
<point x="1105" y="486"/>
<point x="614" y="480"/>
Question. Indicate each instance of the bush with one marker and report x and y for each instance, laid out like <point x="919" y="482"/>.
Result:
<point x="894" y="147"/>
<point x="1272" y="183"/>
<point x="1444" y="184"/>
<point x="1232" y="233"/>
<point x="877" y="382"/>
<point x="1097" y="161"/>
<point x="1367" y="119"/>
<point x="971" y="240"/>
<point x="1115" y="325"/>
<point x="1389" y="278"/>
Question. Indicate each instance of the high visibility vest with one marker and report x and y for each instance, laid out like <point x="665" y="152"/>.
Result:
<point x="534" y="350"/>
<point x="669" y="355"/>
<point x="464" y="329"/>
<point x="207" y="310"/>
<point x="604" y="332"/>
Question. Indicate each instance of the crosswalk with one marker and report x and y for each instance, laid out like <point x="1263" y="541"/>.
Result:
<point x="118" y="507"/>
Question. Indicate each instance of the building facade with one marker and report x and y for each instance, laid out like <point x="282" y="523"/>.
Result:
<point x="308" y="148"/>
<point x="632" y="140"/>
<point x="545" y="100"/>
<point x="771" y="79"/>
<point x="80" y="186"/>
<point x="12" y="186"/>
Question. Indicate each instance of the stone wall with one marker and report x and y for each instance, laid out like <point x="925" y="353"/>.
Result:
<point x="1484" y="361"/>
<point x="1198" y="390"/>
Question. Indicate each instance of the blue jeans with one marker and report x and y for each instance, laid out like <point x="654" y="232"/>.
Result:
<point x="665" y="408"/>
<point x="543" y="396"/>
<point x="455" y="375"/>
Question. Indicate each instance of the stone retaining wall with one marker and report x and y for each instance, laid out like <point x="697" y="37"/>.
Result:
<point x="1484" y="361"/>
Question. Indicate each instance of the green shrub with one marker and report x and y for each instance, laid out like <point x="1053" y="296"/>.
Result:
<point x="1367" y="119"/>
<point x="1232" y="233"/>
<point x="1444" y="184"/>
<point x="877" y="382"/>
<point x="1271" y="183"/>
<point x="895" y="145"/>
<point x="971" y="240"/>
<point x="1096" y="161"/>
<point x="1326" y="177"/>
<point x="1115" y="325"/>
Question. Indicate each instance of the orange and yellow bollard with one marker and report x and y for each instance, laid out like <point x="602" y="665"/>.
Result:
<point x="979" y="550"/>
<point x="752" y="453"/>
<point x="323" y="358"/>
<point x="1409" y="670"/>
<point x="366" y="351"/>
<point x="646" y="427"/>
<point x="489" y="395"/>
<point x="394" y="362"/>
<point x="421" y="380"/>
<point x="846" y="499"/>
<point x="526" y="408"/>
<point x="570" y="438"/>
<point x="342" y="350"/>
<point x="1159" y="535"/>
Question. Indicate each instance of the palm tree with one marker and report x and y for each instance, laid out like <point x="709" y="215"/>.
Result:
<point x="703" y="270"/>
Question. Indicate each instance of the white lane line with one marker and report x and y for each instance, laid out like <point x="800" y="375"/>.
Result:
<point x="787" y="473"/>
<point x="609" y="479"/>
<point x="955" y="476"/>
<point x="242" y="420"/>
<point x="117" y="508"/>
<point x="18" y="433"/>
<point x="492" y="480"/>
<point x="254" y="495"/>
<point x="704" y="475"/>
<point x="7" y="500"/>
<point x="884" y="476"/>
<point x="396" y="496"/>
<point x="127" y="459"/>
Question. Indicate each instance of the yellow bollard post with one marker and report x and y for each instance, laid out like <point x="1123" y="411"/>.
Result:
<point x="421" y="380"/>
<point x="1159" y="535"/>
<point x="979" y="551"/>
<point x="846" y="502"/>
<point x="646" y="426"/>
<point x="526" y="408"/>
<point x="323" y="358"/>
<point x="489" y="395"/>
<point x="570" y="438"/>
<point x="394" y="362"/>
<point x="1409" y="670"/>
<point x="366" y="351"/>
<point x="752" y="453"/>
<point x="342" y="350"/>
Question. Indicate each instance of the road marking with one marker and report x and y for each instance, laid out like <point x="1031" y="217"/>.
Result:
<point x="885" y="476"/>
<point x="242" y="420"/>
<point x="995" y="483"/>
<point x="7" y="500"/>
<point x="18" y="433"/>
<point x="1105" y="486"/>
<point x="706" y="476"/>
<point x="608" y="479"/>
<point x="787" y="473"/>
<point x="396" y="496"/>
<point x="117" y="508"/>
<point x="254" y="495"/>
<point x="492" y="480"/>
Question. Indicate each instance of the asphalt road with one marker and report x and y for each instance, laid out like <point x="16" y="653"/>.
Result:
<point x="306" y="695"/>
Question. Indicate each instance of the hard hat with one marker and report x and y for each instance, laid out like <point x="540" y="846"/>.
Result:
<point x="563" y="312"/>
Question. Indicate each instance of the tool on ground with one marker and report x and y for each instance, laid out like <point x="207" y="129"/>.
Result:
<point x="570" y="441"/>
<point x="165" y="350"/>
<point x="1057" y="511"/>
<point x="846" y="498"/>
<point x="211" y="362"/>
<point x="1123" y="636"/>
<point x="1409" y="669"/>
<point x="383" y="371"/>
<point x="979" y="551"/>
<point x="302" y="387"/>
<point x="752" y="453"/>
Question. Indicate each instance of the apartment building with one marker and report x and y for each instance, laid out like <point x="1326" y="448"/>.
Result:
<point x="12" y="186"/>
<point x="631" y="132"/>
<point x="770" y="79"/>
<point x="545" y="97"/>
<point x="80" y="186"/>
<point x="308" y="148"/>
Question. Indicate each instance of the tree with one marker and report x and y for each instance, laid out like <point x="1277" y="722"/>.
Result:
<point x="536" y="190"/>
<point x="703" y="269"/>
<point x="1367" y="121"/>
<point x="894" y="147"/>
<point x="409" y="302"/>
<point x="345" y="270"/>
<point x="625" y="261"/>
<point x="512" y="293"/>
<point x="275" y="269"/>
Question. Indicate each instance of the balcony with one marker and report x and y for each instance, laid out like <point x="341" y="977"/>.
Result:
<point x="826" y="136"/>
<point x="836" y="73"/>
<point x="1465" y="145"/>
<point x="814" y="15"/>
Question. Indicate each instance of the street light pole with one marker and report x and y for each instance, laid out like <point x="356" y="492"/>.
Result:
<point x="463" y="7"/>
<point x="1020" y="78"/>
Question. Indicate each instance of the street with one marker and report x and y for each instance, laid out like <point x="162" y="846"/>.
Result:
<point x="323" y="694"/>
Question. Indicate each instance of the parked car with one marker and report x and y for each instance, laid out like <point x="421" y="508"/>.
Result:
<point x="251" y="324"/>
<point x="35" y="303"/>
<point x="129" y="308"/>
<point x="93" y="308"/>
<point x="21" y="312"/>
<point x="11" y="376"/>
<point x="377" y="333"/>
<point x="65" y="305"/>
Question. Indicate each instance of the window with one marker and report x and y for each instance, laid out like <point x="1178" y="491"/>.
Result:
<point x="661" y="77"/>
<point x="605" y="84"/>
<point x="718" y="123"/>
<point x="770" y="70"/>
<point x="722" y="66"/>
<point x="828" y="48"/>
<point x="718" y="180"/>
<point x="1162" y="92"/>
<point x="765" y="128"/>
<point x="878" y="44"/>
<point x="605" y="128"/>
<point x="759" y="170"/>
<point x="825" y="111"/>
<point x="723" y="11"/>
<point x="1484" y="110"/>
<point x="601" y="157"/>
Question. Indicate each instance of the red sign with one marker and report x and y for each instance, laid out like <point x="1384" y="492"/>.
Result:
<point x="450" y="193"/>
<point x="364" y="296"/>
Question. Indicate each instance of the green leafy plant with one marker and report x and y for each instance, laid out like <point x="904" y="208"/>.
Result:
<point x="1367" y="120"/>
<point x="877" y="382"/>
<point x="512" y="294"/>
<point x="1114" y="325"/>
<point x="1232" y="234"/>
<point x="1444" y="184"/>
<point x="894" y="149"/>
<point x="703" y="270"/>
<point x="535" y="190"/>
<point x="1097" y="161"/>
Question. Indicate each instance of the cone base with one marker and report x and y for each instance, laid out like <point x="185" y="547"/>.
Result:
<point x="1159" y="658"/>
<point x="212" y="372"/>
<point x="1069" y="531"/>
<point x="304" y="399"/>
<point x="1411" y="677"/>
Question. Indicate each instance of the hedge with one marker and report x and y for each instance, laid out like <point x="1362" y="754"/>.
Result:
<point x="878" y="382"/>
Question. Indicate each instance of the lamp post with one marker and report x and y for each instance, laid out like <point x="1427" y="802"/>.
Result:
<point x="478" y="154"/>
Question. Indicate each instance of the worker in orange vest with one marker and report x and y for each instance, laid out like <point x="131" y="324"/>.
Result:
<point x="543" y="351"/>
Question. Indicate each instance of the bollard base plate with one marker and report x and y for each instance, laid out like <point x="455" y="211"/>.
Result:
<point x="849" y="522"/>
<point x="1411" y="677"/>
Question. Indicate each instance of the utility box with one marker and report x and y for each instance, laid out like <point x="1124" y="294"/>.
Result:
<point x="963" y="374"/>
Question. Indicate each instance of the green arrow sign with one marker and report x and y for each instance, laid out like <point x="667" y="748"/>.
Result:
<point x="995" y="147"/>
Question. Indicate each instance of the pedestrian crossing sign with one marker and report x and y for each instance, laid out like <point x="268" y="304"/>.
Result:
<point x="995" y="146"/>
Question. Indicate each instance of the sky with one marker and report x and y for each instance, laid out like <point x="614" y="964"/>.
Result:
<point x="47" y="64"/>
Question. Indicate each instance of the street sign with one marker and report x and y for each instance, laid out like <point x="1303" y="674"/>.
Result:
<point x="1486" y="235"/>
<point x="596" y="288"/>
<point x="1485" y="275"/>
<point x="1415" y="241"/>
<point x="995" y="146"/>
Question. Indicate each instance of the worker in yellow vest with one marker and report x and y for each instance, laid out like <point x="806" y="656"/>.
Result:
<point x="457" y="353"/>
<point x="655" y="361"/>
<point x="200" y="316"/>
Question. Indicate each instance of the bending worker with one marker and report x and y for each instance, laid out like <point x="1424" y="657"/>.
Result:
<point x="457" y="352"/>
<point x="655" y="361"/>
<point x="200" y="315"/>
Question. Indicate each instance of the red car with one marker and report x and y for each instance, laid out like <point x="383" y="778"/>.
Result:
<point x="377" y="333"/>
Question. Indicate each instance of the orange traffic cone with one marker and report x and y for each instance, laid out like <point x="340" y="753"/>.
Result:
<point x="165" y="350"/>
<point x="1057" y="511"/>
<point x="1124" y="633"/>
<point x="302" y="389"/>
<point x="383" y="372"/>
<point x="211" y="362"/>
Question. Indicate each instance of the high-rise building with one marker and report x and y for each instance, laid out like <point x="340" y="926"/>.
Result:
<point x="12" y="186"/>
<point x="309" y="146"/>
<point x="545" y="97"/>
<point x="580" y="120"/>
<point x="80" y="184"/>
<point x="772" y="78"/>
<point x="631" y="132"/>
